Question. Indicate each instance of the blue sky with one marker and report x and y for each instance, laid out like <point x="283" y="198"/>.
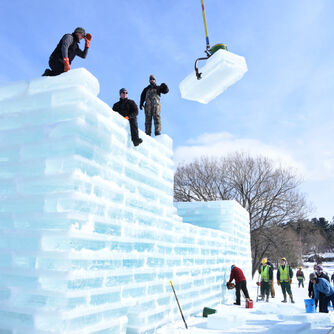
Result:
<point x="283" y="107"/>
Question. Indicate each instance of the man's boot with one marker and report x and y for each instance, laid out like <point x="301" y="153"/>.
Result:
<point x="267" y="299"/>
<point x="291" y="299"/>
<point x="137" y="141"/>
<point x="47" y="73"/>
<point x="284" y="300"/>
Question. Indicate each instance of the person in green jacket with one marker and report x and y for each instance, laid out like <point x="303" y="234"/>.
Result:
<point x="300" y="277"/>
<point x="284" y="278"/>
<point x="266" y="273"/>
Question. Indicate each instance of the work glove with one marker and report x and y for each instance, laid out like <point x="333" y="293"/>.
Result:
<point x="270" y="282"/>
<point x="278" y="282"/>
<point x="141" y="107"/>
<point x="88" y="38"/>
<point x="67" y="66"/>
<point x="309" y="295"/>
<point x="290" y="281"/>
<point x="164" y="89"/>
<point x="126" y="117"/>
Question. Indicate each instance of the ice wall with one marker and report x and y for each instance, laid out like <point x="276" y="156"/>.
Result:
<point x="90" y="237"/>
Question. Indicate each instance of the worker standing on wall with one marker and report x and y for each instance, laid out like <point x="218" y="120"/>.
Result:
<point x="150" y="100"/>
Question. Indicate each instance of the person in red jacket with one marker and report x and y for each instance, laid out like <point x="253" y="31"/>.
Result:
<point x="240" y="283"/>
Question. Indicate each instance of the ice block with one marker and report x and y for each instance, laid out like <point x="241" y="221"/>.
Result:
<point x="222" y="70"/>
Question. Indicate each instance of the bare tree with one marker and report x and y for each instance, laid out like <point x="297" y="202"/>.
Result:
<point x="268" y="192"/>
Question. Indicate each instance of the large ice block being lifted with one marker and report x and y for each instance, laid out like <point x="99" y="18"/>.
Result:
<point x="221" y="71"/>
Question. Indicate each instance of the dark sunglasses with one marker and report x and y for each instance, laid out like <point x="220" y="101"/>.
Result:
<point x="124" y="92"/>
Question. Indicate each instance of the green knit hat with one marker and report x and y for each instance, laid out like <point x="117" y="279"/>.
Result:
<point x="80" y="30"/>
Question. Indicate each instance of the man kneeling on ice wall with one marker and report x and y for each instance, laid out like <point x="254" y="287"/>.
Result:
<point x="67" y="48"/>
<point x="129" y="110"/>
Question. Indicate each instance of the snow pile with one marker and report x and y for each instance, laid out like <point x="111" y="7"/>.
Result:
<point x="222" y="70"/>
<point x="89" y="235"/>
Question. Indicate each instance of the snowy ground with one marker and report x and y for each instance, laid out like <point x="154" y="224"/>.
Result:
<point x="273" y="317"/>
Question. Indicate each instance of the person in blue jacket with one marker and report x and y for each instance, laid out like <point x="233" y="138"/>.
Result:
<point x="321" y="285"/>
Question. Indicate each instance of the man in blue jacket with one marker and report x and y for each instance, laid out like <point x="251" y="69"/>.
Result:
<point x="321" y="285"/>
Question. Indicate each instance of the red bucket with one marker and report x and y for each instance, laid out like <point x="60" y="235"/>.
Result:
<point x="249" y="303"/>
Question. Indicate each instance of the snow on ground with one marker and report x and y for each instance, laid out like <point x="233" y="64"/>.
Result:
<point x="273" y="317"/>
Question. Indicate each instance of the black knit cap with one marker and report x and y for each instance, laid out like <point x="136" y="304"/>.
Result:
<point x="122" y="90"/>
<point x="80" y="30"/>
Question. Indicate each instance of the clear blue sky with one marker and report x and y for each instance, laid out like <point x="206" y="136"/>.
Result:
<point x="283" y="107"/>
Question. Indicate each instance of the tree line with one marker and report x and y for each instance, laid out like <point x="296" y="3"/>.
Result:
<point x="269" y="192"/>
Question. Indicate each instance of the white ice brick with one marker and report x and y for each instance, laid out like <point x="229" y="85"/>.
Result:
<point x="26" y="103"/>
<point x="73" y="78"/>
<point x="13" y="90"/>
<point x="221" y="70"/>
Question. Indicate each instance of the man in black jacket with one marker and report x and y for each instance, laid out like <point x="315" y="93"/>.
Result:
<point x="151" y="97"/>
<point x="129" y="110"/>
<point x="66" y="50"/>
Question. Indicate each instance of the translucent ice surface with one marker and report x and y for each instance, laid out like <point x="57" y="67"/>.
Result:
<point x="89" y="235"/>
<point x="221" y="71"/>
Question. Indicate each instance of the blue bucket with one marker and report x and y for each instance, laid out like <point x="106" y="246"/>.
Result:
<point x="309" y="305"/>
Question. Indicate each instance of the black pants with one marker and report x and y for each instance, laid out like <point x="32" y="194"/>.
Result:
<point x="241" y="286"/>
<point x="134" y="129"/>
<point x="265" y="289"/>
<point x="57" y="67"/>
<point x="323" y="306"/>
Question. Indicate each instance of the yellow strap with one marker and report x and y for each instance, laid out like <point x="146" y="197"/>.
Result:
<point x="204" y="20"/>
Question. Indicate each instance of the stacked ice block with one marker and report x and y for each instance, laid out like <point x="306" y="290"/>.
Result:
<point x="89" y="236"/>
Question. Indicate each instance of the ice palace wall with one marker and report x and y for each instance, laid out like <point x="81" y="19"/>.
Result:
<point x="90" y="237"/>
